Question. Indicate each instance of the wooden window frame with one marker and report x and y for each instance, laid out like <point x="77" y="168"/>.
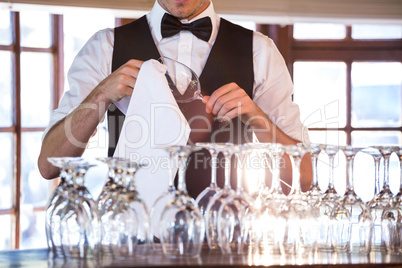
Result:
<point x="16" y="129"/>
<point x="346" y="50"/>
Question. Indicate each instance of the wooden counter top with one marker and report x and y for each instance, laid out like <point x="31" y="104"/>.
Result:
<point x="43" y="258"/>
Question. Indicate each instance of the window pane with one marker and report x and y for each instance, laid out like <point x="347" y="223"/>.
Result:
<point x="5" y="89"/>
<point x="6" y="170"/>
<point x="5" y="234"/>
<point x="320" y="91"/>
<point x="5" y="27"/>
<point x="88" y="24"/>
<point x="376" y="94"/>
<point x="35" y="89"/>
<point x="365" y="31"/>
<point x="35" y="29"/>
<point x="35" y="190"/>
<point x="367" y="138"/>
<point x="319" y="31"/>
<point x="33" y="230"/>
<point x="328" y="137"/>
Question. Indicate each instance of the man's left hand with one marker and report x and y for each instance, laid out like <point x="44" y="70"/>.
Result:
<point x="230" y="101"/>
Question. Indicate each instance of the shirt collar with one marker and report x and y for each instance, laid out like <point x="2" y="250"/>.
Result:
<point x="155" y="17"/>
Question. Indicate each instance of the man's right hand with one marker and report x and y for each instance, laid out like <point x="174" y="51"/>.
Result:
<point x="70" y="136"/>
<point x="121" y="82"/>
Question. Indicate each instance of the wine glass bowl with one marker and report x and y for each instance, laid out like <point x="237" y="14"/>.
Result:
<point x="182" y="80"/>
<point x="181" y="224"/>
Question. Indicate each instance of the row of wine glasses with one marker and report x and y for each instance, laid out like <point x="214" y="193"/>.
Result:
<point x="81" y="227"/>
<point x="233" y="221"/>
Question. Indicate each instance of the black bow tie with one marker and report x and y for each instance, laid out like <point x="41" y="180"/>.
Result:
<point x="201" y="28"/>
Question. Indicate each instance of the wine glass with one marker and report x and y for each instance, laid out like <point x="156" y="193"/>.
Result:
<point x="184" y="83"/>
<point x="181" y="224"/>
<point x="353" y="223"/>
<point x="260" y="195"/>
<point x="314" y="193"/>
<point x="58" y="200"/>
<point x="382" y="198"/>
<point x="236" y="214"/>
<point x="163" y="200"/>
<point x="211" y="212"/>
<point x="182" y="80"/>
<point x="131" y="217"/>
<point x="327" y="204"/>
<point x="398" y="196"/>
<point x="297" y="234"/>
<point x="391" y="215"/>
<point x="205" y="196"/>
<point x="80" y="227"/>
<point x="110" y="184"/>
<point x="268" y="216"/>
<point x="106" y="206"/>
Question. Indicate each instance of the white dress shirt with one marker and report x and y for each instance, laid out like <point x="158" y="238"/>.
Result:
<point x="272" y="87"/>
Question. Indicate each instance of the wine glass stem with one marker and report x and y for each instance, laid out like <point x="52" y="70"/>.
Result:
<point x="214" y="164"/>
<point x="377" y="174"/>
<point x="349" y="174"/>
<point x="386" y="171"/>
<point x="400" y="170"/>
<point x="227" y="170"/>
<point x="182" y="174"/>
<point x="276" y="184"/>
<point x="331" y="170"/>
<point x="240" y="169"/>
<point x="171" y="165"/>
<point x="315" y="171"/>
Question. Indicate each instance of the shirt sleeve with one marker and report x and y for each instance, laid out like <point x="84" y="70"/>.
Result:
<point x="273" y="88"/>
<point x="91" y="65"/>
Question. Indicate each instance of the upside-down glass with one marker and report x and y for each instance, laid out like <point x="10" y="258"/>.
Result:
<point x="352" y="221"/>
<point x="106" y="205"/>
<point x="236" y="214"/>
<point x="80" y="226"/>
<point x="297" y="233"/>
<point x="110" y="183"/>
<point x="381" y="199"/>
<point x="268" y="216"/>
<point x="211" y="212"/>
<point x="130" y="216"/>
<point x="205" y="196"/>
<point x="162" y="201"/>
<point x="182" y="227"/>
<point x="314" y="193"/>
<point x="327" y="204"/>
<point x="391" y="218"/>
<point x="261" y="150"/>
<point x="182" y="80"/>
<point x="57" y="201"/>
<point x="398" y="196"/>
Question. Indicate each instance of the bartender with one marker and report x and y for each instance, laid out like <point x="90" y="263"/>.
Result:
<point x="243" y="76"/>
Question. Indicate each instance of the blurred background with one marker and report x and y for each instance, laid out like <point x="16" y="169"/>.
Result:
<point x="345" y="60"/>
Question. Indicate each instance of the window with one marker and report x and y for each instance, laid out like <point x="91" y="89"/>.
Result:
<point x="31" y="84"/>
<point x="29" y="54"/>
<point x="348" y="84"/>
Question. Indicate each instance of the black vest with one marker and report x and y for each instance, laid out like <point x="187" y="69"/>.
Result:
<point x="230" y="60"/>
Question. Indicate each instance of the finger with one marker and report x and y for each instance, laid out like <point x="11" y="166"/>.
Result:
<point x="228" y="101"/>
<point x="218" y="93"/>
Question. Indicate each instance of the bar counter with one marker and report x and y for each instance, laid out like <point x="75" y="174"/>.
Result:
<point x="43" y="258"/>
